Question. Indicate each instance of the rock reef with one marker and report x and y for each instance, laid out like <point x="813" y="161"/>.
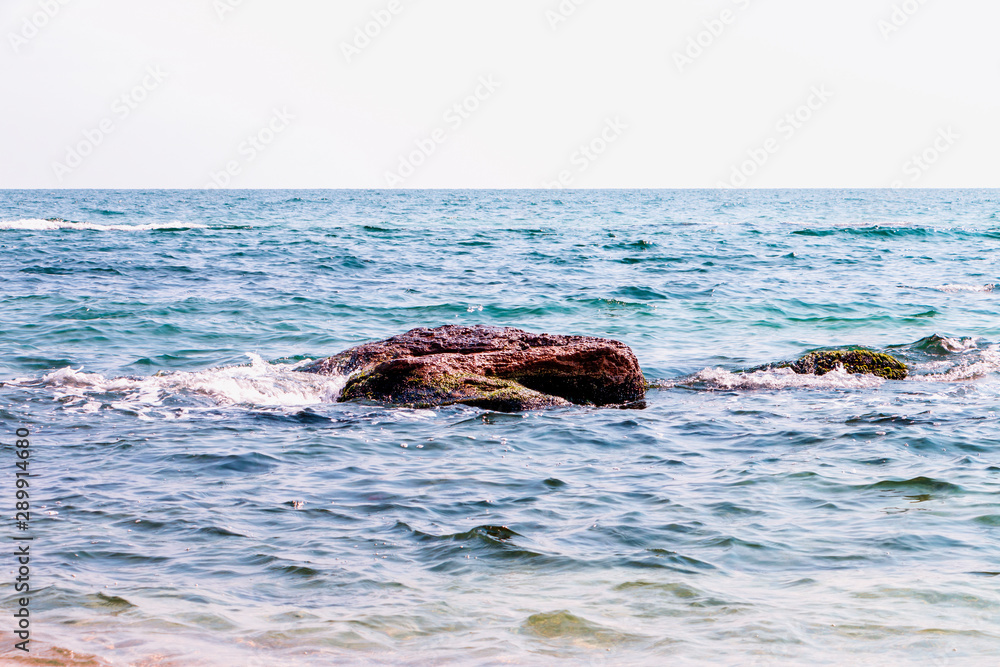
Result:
<point x="494" y="368"/>
<point x="857" y="361"/>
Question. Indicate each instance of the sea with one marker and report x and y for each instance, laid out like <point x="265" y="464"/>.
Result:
<point x="195" y="500"/>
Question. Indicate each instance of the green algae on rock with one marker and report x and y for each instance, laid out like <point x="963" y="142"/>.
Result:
<point x="422" y="385"/>
<point x="859" y="361"/>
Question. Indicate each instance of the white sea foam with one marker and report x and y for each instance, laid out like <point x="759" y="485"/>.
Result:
<point x="37" y="225"/>
<point x="782" y="378"/>
<point x="985" y="363"/>
<point x="966" y="288"/>
<point x="260" y="384"/>
<point x="965" y="367"/>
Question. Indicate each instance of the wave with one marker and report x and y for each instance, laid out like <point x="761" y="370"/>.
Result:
<point x="57" y="224"/>
<point x="965" y="288"/>
<point x="978" y="364"/>
<point x="260" y="384"/>
<point x="944" y="345"/>
<point x="950" y="358"/>
<point x="869" y="230"/>
<point x="104" y="211"/>
<point x="778" y="378"/>
<point x="932" y="359"/>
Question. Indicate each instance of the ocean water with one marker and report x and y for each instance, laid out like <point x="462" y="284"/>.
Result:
<point x="196" y="501"/>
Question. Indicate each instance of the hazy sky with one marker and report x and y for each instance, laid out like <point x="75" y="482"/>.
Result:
<point x="467" y="93"/>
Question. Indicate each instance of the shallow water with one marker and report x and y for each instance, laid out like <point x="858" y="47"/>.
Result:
<point x="200" y="502"/>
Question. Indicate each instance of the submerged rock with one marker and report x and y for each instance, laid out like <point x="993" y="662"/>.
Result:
<point x="495" y="368"/>
<point x="858" y="362"/>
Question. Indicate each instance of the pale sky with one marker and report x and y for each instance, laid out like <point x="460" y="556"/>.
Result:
<point x="589" y="93"/>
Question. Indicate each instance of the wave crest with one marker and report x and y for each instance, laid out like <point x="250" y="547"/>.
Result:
<point x="966" y="288"/>
<point x="970" y="366"/>
<point x="779" y="378"/>
<point x="260" y="384"/>
<point x="56" y="224"/>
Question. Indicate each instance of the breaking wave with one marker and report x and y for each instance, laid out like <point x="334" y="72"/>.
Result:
<point x="56" y="224"/>
<point x="966" y="288"/>
<point x="967" y="363"/>
<point x="778" y="378"/>
<point x="259" y="384"/>
<point x="931" y="359"/>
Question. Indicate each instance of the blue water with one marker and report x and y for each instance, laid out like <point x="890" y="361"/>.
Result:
<point x="199" y="502"/>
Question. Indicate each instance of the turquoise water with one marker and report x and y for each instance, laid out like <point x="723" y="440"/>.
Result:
<point x="199" y="502"/>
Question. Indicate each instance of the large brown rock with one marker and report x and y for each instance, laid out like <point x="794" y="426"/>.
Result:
<point x="495" y="368"/>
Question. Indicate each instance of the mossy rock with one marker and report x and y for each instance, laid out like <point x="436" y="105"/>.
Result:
<point x="428" y="390"/>
<point x="857" y="362"/>
<point x="494" y="368"/>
